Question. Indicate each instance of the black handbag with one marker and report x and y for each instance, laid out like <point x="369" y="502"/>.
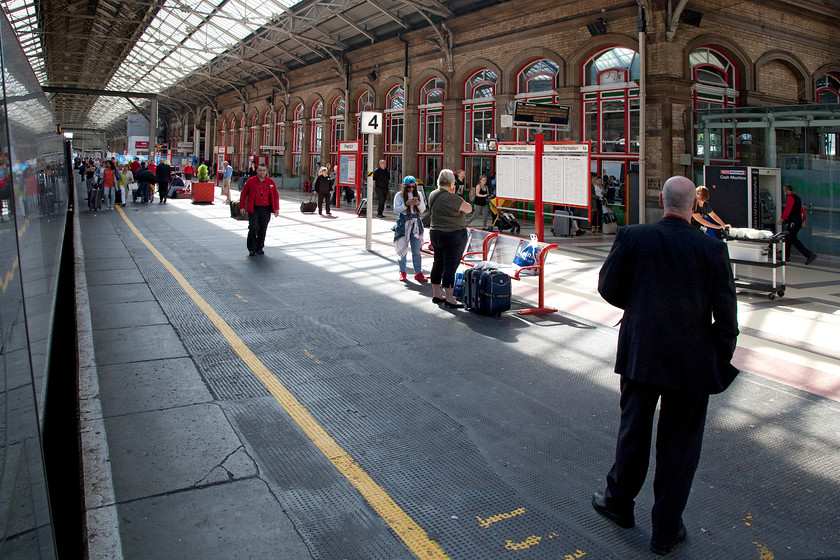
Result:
<point x="309" y="207"/>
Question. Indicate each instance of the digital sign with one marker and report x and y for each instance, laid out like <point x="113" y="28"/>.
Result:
<point x="541" y="113"/>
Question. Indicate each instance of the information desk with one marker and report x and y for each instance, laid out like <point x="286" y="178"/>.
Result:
<point x="762" y="253"/>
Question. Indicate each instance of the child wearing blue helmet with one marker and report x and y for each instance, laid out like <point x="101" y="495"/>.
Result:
<point x="409" y="205"/>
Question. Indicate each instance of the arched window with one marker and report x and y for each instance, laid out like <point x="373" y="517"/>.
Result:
<point x="315" y="136"/>
<point x="430" y="114"/>
<point x="394" y="129"/>
<point x="337" y="116"/>
<point x="715" y="87"/>
<point x="364" y="102"/>
<point x="828" y="88"/>
<point x="254" y="147"/>
<point x="297" y="137"/>
<point x="279" y="140"/>
<point x="479" y="123"/>
<point x="242" y="155"/>
<point x="266" y="131"/>
<point x="535" y="83"/>
<point x="610" y="99"/>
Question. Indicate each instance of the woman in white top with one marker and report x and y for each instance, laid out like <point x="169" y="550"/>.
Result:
<point x="124" y="181"/>
<point x="409" y="204"/>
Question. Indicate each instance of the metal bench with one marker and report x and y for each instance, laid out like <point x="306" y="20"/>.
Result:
<point x="501" y="249"/>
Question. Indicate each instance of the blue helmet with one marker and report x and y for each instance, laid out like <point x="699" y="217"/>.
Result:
<point x="409" y="179"/>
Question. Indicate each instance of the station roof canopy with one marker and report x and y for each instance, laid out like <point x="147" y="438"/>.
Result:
<point x="190" y="51"/>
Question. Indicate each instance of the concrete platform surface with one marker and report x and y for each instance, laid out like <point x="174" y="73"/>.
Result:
<point x="305" y="404"/>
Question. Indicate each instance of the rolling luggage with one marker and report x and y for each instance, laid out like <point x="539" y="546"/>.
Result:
<point x="361" y="208"/>
<point x="486" y="291"/>
<point x="234" y="211"/>
<point x="118" y="196"/>
<point x="561" y="224"/>
<point x="608" y="222"/>
<point x="95" y="198"/>
<point x="309" y="207"/>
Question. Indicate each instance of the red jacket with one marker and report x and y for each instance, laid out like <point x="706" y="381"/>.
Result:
<point x="249" y="193"/>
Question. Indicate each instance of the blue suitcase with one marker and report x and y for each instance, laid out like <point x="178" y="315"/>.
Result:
<point x="486" y="291"/>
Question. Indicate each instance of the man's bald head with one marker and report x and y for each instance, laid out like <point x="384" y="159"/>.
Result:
<point x="679" y="196"/>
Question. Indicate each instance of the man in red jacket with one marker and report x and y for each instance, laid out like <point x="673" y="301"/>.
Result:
<point x="259" y="198"/>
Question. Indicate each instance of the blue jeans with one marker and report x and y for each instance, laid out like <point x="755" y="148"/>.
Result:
<point x="109" y="197"/>
<point x="415" y="244"/>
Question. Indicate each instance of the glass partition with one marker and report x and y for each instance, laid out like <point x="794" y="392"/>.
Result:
<point x="33" y="211"/>
<point x="801" y="140"/>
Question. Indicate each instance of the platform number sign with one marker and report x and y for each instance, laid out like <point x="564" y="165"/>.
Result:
<point x="371" y="122"/>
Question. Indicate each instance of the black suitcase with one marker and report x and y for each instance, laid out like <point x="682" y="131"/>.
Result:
<point x="234" y="211"/>
<point x="361" y="208"/>
<point x="309" y="207"/>
<point x="486" y="291"/>
<point x="561" y="224"/>
<point x="95" y="199"/>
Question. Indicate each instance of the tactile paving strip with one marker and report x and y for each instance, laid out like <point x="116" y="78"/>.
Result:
<point x="493" y="433"/>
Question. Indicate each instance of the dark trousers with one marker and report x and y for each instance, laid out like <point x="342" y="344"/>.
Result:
<point x="382" y="195"/>
<point x="257" y="226"/>
<point x="679" y="438"/>
<point x="449" y="248"/>
<point x="792" y="229"/>
<point x="323" y="198"/>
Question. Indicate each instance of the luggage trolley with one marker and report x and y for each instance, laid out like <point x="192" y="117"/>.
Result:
<point x="762" y="253"/>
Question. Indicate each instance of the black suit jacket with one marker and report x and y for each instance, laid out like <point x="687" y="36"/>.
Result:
<point x="680" y="323"/>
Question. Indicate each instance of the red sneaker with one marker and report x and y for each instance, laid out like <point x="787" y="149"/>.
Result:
<point x="420" y="278"/>
<point x="403" y="277"/>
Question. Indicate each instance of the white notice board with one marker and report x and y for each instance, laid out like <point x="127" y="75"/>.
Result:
<point x="515" y="171"/>
<point x="565" y="174"/>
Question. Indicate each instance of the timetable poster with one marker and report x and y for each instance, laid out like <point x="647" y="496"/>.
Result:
<point x="515" y="171"/>
<point x="565" y="174"/>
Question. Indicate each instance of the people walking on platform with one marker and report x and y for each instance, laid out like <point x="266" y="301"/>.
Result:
<point x="259" y="199"/>
<point x="109" y="184"/>
<point x="382" y="185"/>
<point x="408" y="231"/>
<point x="226" y="177"/>
<point x="676" y="342"/>
<point x="164" y="177"/>
<point x="792" y="220"/>
<point x="322" y="188"/>
<point x="461" y="184"/>
<point x="448" y="234"/>
<point x="479" y="196"/>
<point x="125" y="178"/>
<point x="145" y="179"/>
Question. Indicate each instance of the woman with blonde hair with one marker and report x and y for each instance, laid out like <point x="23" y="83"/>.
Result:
<point x="448" y="233"/>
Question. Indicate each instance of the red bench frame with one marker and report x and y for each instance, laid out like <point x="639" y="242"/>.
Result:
<point x="485" y="252"/>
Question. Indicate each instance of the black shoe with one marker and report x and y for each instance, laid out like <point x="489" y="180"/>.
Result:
<point x="251" y="253"/>
<point x="438" y="299"/>
<point x="260" y="252"/>
<point x="664" y="548"/>
<point x="811" y="259"/>
<point x="599" y="502"/>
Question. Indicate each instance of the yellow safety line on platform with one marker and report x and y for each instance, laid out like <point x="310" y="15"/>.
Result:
<point x="410" y="532"/>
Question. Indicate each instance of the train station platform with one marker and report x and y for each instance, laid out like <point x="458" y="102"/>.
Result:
<point x="304" y="404"/>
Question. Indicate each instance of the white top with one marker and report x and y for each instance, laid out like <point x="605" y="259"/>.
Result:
<point x="399" y="203"/>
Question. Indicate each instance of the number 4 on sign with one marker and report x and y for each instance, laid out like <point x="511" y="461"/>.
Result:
<point x="371" y="122"/>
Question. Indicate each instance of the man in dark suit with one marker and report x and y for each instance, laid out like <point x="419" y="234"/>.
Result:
<point x="675" y="345"/>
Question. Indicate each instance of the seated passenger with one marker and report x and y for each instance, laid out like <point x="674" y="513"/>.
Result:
<point x="177" y="184"/>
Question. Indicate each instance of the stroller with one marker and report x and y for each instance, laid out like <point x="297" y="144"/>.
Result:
<point x="501" y="219"/>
